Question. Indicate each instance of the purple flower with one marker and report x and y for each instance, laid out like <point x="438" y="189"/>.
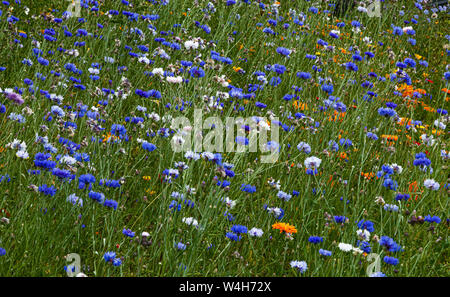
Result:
<point x="16" y="98"/>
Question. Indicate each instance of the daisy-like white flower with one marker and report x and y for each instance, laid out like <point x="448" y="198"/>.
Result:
<point x="190" y="44"/>
<point x="22" y="154"/>
<point x="255" y="232"/>
<point x="312" y="162"/>
<point x="230" y="203"/>
<point x="299" y="265"/>
<point x="397" y="168"/>
<point x="345" y="247"/>
<point x="192" y="155"/>
<point x="190" y="221"/>
<point x="431" y="184"/>
<point x="174" y="79"/>
<point x="427" y="140"/>
<point x="158" y="71"/>
<point x="363" y="234"/>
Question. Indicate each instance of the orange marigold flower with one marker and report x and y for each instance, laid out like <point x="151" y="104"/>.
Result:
<point x="284" y="227"/>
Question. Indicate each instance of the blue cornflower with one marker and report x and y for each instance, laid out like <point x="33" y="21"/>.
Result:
<point x="400" y="197"/>
<point x="325" y="253"/>
<point x="345" y="142"/>
<point x="434" y="219"/>
<point x="99" y="197"/>
<point x="284" y="51"/>
<point x="390" y="244"/>
<point x="284" y="196"/>
<point x="233" y="236"/>
<point x="340" y="219"/>
<point x="366" y="225"/>
<point x="390" y="260"/>
<point x="304" y="75"/>
<point x="351" y="66"/>
<point x="180" y="246"/>
<point x="239" y="229"/>
<point x="248" y="188"/>
<point x="111" y="203"/>
<point x="315" y="239"/>
<point x="387" y="112"/>
<point x="109" y="256"/>
<point x="49" y="191"/>
<point x="197" y="72"/>
<point x="372" y="135"/>
<point x="148" y="146"/>
<point x="304" y="147"/>
<point x="327" y="88"/>
<point x="128" y="232"/>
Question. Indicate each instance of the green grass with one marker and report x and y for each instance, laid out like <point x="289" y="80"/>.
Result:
<point x="42" y="230"/>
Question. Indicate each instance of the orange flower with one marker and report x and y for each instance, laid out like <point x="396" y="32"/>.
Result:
<point x="108" y="137"/>
<point x="367" y="175"/>
<point x="284" y="227"/>
<point x="390" y="137"/>
<point x="302" y="106"/>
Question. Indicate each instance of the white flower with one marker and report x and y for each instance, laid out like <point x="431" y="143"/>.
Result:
<point x="158" y="71"/>
<point x="22" y="154"/>
<point x="337" y="32"/>
<point x="154" y="116"/>
<point x="208" y="156"/>
<point x="397" y="168"/>
<point x="192" y="155"/>
<point x="439" y="124"/>
<point x="362" y="9"/>
<point x="68" y="160"/>
<point x="312" y="162"/>
<point x="357" y="251"/>
<point x="300" y="265"/>
<point x="407" y="28"/>
<point x="431" y="184"/>
<point x="230" y="203"/>
<point x="174" y="79"/>
<point x="144" y="60"/>
<point x="109" y="60"/>
<point x="363" y="234"/>
<point x="367" y="40"/>
<point x="427" y="140"/>
<point x="190" y="44"/>
<point x="178" y="140"/>
<point x="190" y="221"/>
<point x="74" y="199"/>
<point x="145" y="234"/>
<point x="73" y="52"/>
<point x="256" y="232"/>
<point x="93" y="71"/>
<point x="345" y="247"/>
<point x="275" y="210"/>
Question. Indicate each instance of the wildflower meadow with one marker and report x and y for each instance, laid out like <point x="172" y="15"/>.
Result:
<point x="224" y="138"/>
